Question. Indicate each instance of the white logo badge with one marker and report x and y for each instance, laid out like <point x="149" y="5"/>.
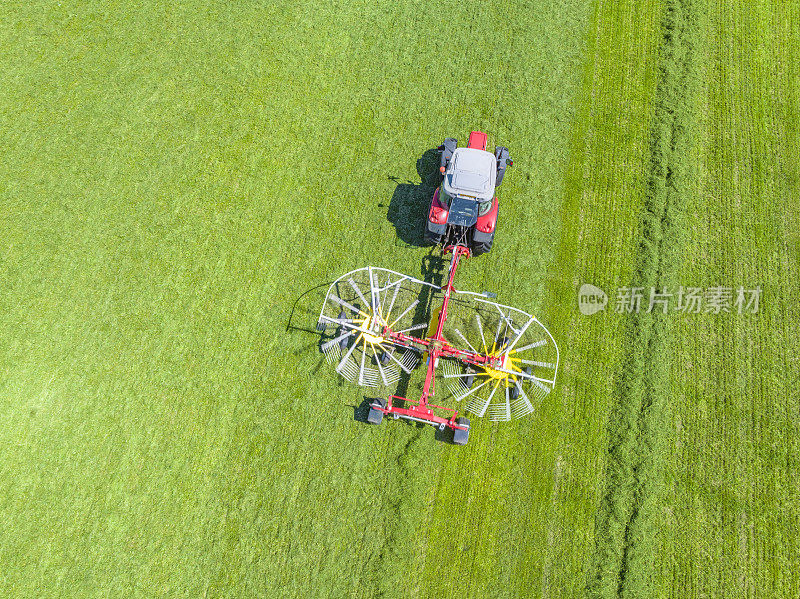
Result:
<point x="591" y="299"/>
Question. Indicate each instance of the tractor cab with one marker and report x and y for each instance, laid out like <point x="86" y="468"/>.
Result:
<point x="468" y="185"/>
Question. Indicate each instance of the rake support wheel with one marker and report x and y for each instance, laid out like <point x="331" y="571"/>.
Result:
<point x="375" y="416"/>
<point x="460" y="437"/>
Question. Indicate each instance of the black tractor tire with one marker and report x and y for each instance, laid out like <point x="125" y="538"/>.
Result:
<point x="469" y="381"/>
<point x="385" y="358"/>
<point x="448" y="148"/>
<point x="503" y="160"/>
<point x="482" y="248"/>
<point x="513" y="392"/>
<point x="461" y="437"/>
<point x="375" y="416"/>
<point x="430" y="237"/>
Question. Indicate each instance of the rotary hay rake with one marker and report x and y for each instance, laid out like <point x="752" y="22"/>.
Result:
<point x="496" y="360"/>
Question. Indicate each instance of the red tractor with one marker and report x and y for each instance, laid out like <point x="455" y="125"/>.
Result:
<point x="464" y="208"/>
<point x="498" y="360"/>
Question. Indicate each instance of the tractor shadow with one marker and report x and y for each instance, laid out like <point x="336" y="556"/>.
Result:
<point x="408" y="208"/>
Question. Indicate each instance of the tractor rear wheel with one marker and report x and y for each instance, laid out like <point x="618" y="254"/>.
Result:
<point x="432" y="237"/>
<point x="460" y="437"/>
<point x="479" y="248"/>
<point x="375" y="416"/>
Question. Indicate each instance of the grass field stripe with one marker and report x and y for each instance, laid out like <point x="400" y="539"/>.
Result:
<point x="358" y="291"/>
<point x="531" y="346"/>
<point x="411" y="306"/>
<point x="480" y="329"/>
<point x="464" y="339"/>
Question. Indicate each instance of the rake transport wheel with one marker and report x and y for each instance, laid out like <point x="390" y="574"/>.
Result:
<point x="375" y="416"/>
<point x="460" y="437"/>
<point x="363" y="305"/>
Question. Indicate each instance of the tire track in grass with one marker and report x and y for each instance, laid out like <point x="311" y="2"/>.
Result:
<point x="626" y="538"/>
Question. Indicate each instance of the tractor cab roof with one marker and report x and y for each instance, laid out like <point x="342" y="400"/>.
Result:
<point x="471" y="173"/>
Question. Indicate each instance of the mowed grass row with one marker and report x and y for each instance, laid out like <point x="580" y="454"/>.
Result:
<point x="729" y="526"/>
<point x="629" y="514"/>
<point x="177" y="184"/>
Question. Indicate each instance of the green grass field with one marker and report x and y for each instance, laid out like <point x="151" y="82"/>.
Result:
<point x="179" y="184"/>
